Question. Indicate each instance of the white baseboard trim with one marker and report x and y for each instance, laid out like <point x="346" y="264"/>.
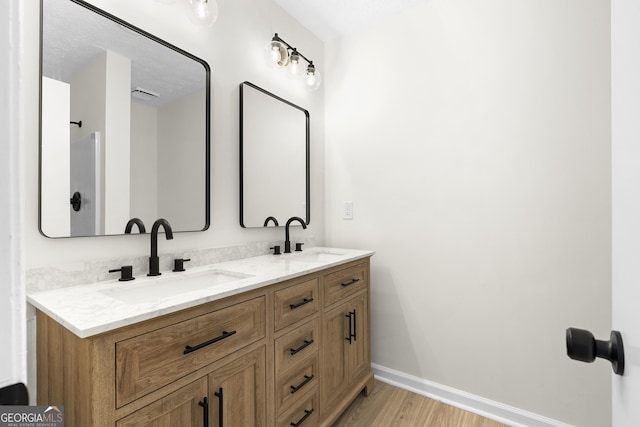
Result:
<point x="469" y="402"/>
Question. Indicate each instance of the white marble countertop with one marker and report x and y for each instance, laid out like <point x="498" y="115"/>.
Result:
<point x="91" y="309"/>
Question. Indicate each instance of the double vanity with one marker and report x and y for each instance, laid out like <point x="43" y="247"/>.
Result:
<point x="268" y="340"/>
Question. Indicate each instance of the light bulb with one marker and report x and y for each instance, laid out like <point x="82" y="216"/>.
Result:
<point x="312" y="78"/>
<point x="276" y="53"/>
<point x="296" y="67"/>
<point x="203" y="12"/>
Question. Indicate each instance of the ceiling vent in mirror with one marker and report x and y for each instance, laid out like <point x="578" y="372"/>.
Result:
<point x="144" y="94"/>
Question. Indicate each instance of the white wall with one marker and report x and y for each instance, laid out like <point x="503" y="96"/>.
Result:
<point x="233" y="47"/>
<point x="144" y="163"/>
<point x="56" y="218"/>
<point x="13" y="367"/>
<point x="474" y="141"/>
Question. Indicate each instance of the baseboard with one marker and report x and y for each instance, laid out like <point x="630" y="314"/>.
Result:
<point x="469" y="402"/>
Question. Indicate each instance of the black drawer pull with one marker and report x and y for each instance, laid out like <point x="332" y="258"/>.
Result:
<point x="350" y="282"/>
<point x="307" y="412"/>
<point x="300" y="304"/>
<point x="307" y="378"/>
<point x="306" y="344"/>
<point x="225" y="334"/>
<point x="205" y="410"/>
<point x="350" y="327"/>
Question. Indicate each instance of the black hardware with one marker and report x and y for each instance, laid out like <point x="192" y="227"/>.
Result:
<point x="350" y="282"/>
<point x="127" y="273"/>
<point x="219" y="395"/>
<point x="582" y="346"/>
<point x="300" y="304"/>
<point x="287" y="242"/>
<point x="132" y="222"/>
<point x="350" y="330"/>
<point x="355" y="328"/>
<point x="307" y="378"/>
<point x="306" y="344"/>
<point x="78" y="123"/>
<point x="76" y="201"/>
<point x="270" y="218"/>
<point x="205" y="410"/>
<point x="225" y="334"/>
<point x="15" y="394"/>
<point x="154" y="261"/>
<point x="299" y="247"/>
<point x="276" y="250"/>
<point x="307" y="412"/>
<point x="178" y="263"/>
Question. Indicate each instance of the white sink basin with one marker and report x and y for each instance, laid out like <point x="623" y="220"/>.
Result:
<point x="170" y="286"/>
<point x="317" y="256"/>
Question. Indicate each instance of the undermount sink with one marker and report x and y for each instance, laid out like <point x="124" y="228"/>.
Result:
<point x="317" y="256"/>
<point x="162" y="288"/>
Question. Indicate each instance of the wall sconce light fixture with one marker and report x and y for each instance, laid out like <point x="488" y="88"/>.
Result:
<point x="201" y="12"/>
<point x="280" y="54"/>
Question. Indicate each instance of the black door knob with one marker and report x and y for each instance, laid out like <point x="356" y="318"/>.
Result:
<point x="582" y="346"/>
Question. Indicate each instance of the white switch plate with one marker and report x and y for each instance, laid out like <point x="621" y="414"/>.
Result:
<point x="347" y="210"/>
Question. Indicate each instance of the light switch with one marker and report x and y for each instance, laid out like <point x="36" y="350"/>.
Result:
<point x="347" y="210"/>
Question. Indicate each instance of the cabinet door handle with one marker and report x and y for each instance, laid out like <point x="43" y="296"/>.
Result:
<point x="218" y="394"/>
<point x="307" y="412"/>
<point x="306" y="344"/>
<point x="225" y="334"/>
<point x="350" y="330"/>
<point x="205" y="410"/>
<point x="307" y="378"/>
<point x="350" y="282"/>
<point x="300" y="304"/>
<point x="355" y="329"/>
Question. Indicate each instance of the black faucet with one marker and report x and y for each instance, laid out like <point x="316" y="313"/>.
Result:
<point x="270" y="218"/>
<point x="154" y="261"/>
<point x="136" y="221"/>
<point x="287" y="242"/>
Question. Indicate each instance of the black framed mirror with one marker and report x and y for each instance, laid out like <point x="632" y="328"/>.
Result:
<point x="274" y="159"/>
<point x="124" y="126"/>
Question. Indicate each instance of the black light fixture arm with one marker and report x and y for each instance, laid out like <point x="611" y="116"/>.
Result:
<point x="276" y="38"/>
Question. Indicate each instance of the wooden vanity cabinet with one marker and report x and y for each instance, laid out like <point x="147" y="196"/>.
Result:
<point x="292" y="353"/>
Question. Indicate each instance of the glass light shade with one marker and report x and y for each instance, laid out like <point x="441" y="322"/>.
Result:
<point x="203" y="12"/>
<point x="276" y="54"/>
<point x="165" y="1"/>
<point x="296" y="65"/>
<point x="312" y="78"/>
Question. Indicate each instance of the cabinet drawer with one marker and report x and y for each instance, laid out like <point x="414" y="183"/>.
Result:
<point x="152" y="360"/>
<point x="295" y="303"/>
<point x="302" y="414"/>
<point x="343" y="283"/>
<point x="293" y="347"/>
<point x="296" y="382"/>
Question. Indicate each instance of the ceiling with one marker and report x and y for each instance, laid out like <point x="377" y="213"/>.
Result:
<point x="328" y="19"/>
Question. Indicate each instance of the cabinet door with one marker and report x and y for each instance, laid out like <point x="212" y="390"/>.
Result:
<point x="345" y="343"/>
<point x="238" y="392"/>
<point x="183" y="407"/>
<point x="357" y="348"/>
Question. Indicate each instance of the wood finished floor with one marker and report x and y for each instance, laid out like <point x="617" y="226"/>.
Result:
<point x="388" y="406"/>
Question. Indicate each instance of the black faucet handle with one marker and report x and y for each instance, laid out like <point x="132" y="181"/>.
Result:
<point x="178" y="263"/>
<point x="276" y="250"/>
<point x="126" y="273"/>
<point x="299" y="247"/>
